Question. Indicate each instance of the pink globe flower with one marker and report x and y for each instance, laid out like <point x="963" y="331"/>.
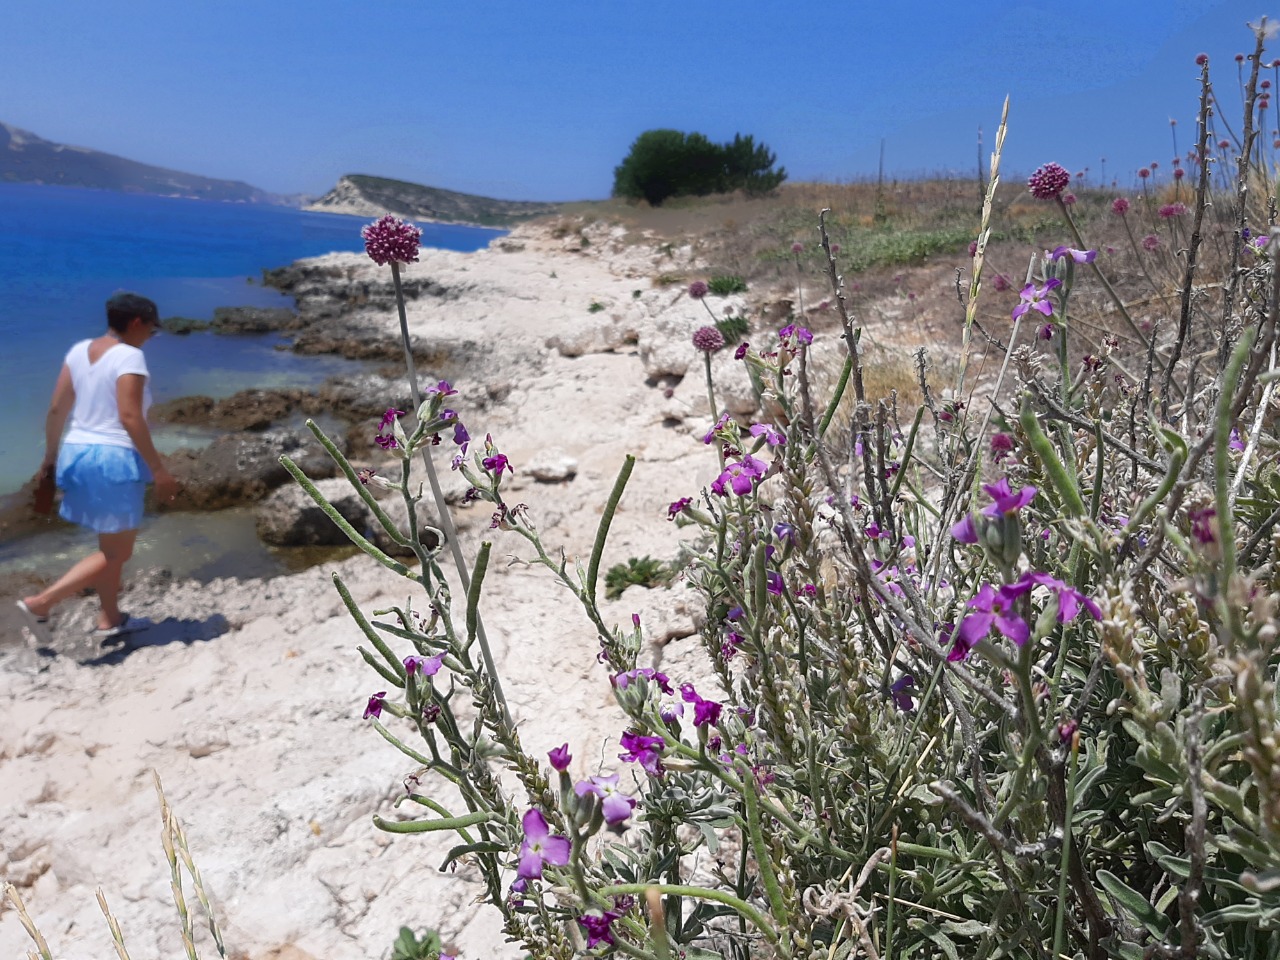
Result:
<point x="698" y="289"/>
<point x="1048" y="181"/>
<point x="1119" y="206"/>
<point x="708" y="339"/>
<point x="1150" y="242"/>
<point x="391" y="240"/>
<point x="1171" y="210"/>
<point x="1201" y="59"/>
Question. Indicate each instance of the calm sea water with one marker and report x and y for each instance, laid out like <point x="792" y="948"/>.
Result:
<point x="64" y="251"/>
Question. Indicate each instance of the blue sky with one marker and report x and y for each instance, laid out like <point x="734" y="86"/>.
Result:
<point x="540" y="100"/>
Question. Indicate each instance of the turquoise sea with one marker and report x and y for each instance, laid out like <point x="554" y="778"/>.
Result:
<point x="64" y="251"/>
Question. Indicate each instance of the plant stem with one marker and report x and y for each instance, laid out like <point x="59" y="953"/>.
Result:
<point x="446" y="519"/>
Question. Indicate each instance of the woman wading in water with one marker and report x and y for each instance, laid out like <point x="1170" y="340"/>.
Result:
<point x="106" y="459"/>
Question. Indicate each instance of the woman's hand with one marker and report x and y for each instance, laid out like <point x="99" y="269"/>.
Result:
<point x="166" y="486"/>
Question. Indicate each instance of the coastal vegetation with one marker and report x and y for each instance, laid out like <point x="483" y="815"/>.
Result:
<point x="994" y="676"/>
<point x="662" y="164"/>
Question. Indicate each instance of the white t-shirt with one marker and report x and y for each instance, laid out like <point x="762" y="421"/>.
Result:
<point x="96" y="415"/>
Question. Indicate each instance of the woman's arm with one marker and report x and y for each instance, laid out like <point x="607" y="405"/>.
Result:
<point x="64" y="398"/>
<point x="129" y="388"/>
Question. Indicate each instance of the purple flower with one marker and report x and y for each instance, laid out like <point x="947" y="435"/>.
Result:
<point x="1048" y="181"/>
<point x="1119" y="206"/>
<point x="1150" y="242"/>
<point x="387" y="442"/>
<point x="705" y="712"/>
<point x="773" y="583"/>
<point x="793" y="334"/>
<point x="786" y="532"/>
<point x="1036" y="298"/>
<point x="1171" y="210"/>
<point x="1001" y="446"/>
<point x="735" y="612"/>
<point x="460" y="435"/>
<point x="389" y="418"/>
<point x="1079" y="256"/>
<point x="740" y="477"/>
<point x="991" y="607"/>
<point x="622" y="680"/>
<point x="391" y="240"/>
<point x="1006" y="501"/>
<point x="443" y="387"/>
<point x="797" y="247"/>
<point x="670" y="710"/>
<point x="426" y="666"/>
<point x="677" y="507"/>
<point x="708" y="339"/>
<point x="1001" y="283"/>
<point x="647" y="751"/>
<point x="965" y="531"/>
<point x="698" y="289"/>
<point x="729" y="649"/>
<point x="901" y="698"/>
<point x="1202" y="525"/>
<point x="615" y="805"/>
<point x="741" y="352"/>
<point x="1046" y="332"/>
<point x="1070" y="600"/>
<point x="560" y="757"/>
<point x="1235" y="443"/>
<point x="772" y="435"/>
<point x="596" y="926"/>
<point x="540" y="847"/>
<point x="719" y="425"/>
<point x="496" y="464"/>
<point x="375" y="705"/>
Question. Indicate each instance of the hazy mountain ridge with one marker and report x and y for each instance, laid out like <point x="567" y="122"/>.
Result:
<point x="28" y="158"/>
<point x="366" y="196"/>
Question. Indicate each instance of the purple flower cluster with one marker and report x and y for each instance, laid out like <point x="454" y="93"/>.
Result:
<point x="597" y="927"/>
<point x="1171" y="210"/>
<point x="793" y="335"/>
<point x="1048" y="181"/>
<point x="698" y="289"/>
<point x="391" y="240"/>
<point x="708" y="339"/>
<point x="385" y="440"/>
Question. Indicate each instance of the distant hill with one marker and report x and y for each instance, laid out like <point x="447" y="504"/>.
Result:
<point x="27" y="158"/>
<point x="376" y="196"/>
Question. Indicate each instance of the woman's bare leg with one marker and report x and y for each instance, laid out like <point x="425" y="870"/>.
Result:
<point x="101" y="570"/>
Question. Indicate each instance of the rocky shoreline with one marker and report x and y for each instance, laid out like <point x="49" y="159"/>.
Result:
<point x="246" y="695"/>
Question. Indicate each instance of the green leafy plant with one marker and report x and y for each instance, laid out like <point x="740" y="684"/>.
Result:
<point x="596" y="307"/>
<point x="726" y="285"/>
<point x="645" y="571"/>
<point x="734" y="329"/>
<point x="416" y="946"/>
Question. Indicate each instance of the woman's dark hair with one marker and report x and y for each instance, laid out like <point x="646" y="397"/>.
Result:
<point x="123" y="307"/>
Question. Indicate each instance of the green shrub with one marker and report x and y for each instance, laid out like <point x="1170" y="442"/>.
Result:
<point x="668" y="163"/>
<point x="410" y="946"/>
<point x="645" y="571"/>
<point x="724" y="286"/>
<point x="733" y="329"/>
<point x="596" y="307"/>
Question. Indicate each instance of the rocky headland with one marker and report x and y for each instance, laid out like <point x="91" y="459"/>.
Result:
<point x="365" y="196"/>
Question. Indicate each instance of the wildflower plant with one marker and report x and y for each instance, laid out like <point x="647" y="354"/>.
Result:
<point x="995" y="683"/>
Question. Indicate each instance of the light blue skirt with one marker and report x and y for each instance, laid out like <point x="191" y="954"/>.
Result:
<point x="102" y="486"/>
